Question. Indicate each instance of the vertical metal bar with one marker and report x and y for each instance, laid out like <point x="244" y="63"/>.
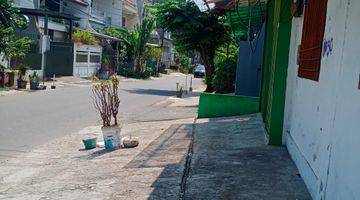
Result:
<point x="70" y="29"/>
<point x="46" y="21"/>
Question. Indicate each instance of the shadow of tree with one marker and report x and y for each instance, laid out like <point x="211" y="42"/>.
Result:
<point x="152" y="92"/>
<point x="157" y="92"/>
<point x="167" y="152"/>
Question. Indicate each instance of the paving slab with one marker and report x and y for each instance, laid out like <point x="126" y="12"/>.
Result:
<point x="232" y="161"/>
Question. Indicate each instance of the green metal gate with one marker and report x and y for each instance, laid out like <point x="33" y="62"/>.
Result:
<point x="60" y="59"/>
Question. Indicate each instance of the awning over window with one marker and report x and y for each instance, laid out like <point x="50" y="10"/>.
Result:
<point x="246" y="21"/>
<point x="245" y="16"/>
<point x="206" y="5"/>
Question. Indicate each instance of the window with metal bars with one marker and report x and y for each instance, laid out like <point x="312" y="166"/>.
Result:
<point x="312" y="39"/>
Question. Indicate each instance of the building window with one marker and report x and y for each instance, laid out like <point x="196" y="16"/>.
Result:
<point x="123" y="21"/>
<point x="94" y="58"/>
<point x="81" y="58"/>
<point x="312" y="39"/>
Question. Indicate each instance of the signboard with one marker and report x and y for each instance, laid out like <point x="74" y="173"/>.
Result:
<point x="22" y="21"/>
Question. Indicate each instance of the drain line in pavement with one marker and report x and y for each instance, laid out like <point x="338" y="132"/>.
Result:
<point x="187" y="163"/>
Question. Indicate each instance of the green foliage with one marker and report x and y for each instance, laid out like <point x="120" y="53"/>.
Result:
<point x="22" y="68"/>
<point x="225" y="68"/>
<point x="153" y="53"/>
<point x="183" y="63"/>
<point x="34" y="78"/>
<point x="194" y="30"/>
<point x="126" y="43"/>
<point x="129" y="72"/>
<point x="142" y="35"/>
<point x="133" y="44"/>
<point x="225" y="74"/>
<point x="18" y="48"/>
<point x="7" y="13"/>
<point x="190" y="28"/>
<point x="9" y="45"/>
<point x="84" y="37"/>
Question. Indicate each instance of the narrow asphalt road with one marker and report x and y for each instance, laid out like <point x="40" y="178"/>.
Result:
<point x="31" y="119"/>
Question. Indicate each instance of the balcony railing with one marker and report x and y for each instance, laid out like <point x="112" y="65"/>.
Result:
<point x="130" y="7"/>
<point x="98" y="15"/>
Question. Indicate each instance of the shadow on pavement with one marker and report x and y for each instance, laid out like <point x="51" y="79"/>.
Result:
<point x="168" y="93"/>
<point x="166" y="153"/>
<point x="152" y="92"/>
<point x="230" y="161"/>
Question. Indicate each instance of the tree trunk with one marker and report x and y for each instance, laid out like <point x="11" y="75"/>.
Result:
<point x="207" y="55"/>
<point x="137" y="67"/>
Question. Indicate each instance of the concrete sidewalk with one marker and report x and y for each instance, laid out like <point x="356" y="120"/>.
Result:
<point x="220" y="158"/>
<point x="231" y="160"/>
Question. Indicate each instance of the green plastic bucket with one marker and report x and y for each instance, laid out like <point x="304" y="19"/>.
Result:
<point x="90" y="143"/>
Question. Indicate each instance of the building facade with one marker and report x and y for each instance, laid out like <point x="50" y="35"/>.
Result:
<point x="321" y="123"/>
<point x="130" y="17"/>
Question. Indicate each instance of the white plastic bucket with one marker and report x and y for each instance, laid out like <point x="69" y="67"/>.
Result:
<point x="112" y="137"/>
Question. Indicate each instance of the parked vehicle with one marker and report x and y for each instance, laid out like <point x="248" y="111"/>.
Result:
<point x="199" y="71"/>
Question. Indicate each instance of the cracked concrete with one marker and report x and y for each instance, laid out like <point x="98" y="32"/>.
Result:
<point x="232" y="161"/>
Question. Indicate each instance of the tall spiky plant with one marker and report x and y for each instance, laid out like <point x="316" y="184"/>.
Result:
<point x="142" y="35"/>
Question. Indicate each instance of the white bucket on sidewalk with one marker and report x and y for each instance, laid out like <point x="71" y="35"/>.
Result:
<point x="111" y="136"/>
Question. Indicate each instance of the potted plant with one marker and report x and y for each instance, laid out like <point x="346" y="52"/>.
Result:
<point x="34" y="81"/>
<point x="21" y="81"/>
<point x="2" y="76"/>
<point x="104" y="71"/>
<point x="106" y="101"/>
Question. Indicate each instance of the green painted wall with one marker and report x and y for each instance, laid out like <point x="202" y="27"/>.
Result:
<point x="267" y="58"/>
<point x="276" y="59"/>
<point x="220" y="105"/>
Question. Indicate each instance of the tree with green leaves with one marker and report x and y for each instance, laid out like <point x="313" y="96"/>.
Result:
<point x="10" y="46"/>
<point x="126" y="43"/>
<point x="194" y="30"/>
<point x="134" y="43"/>
<point x="142" y="35"/>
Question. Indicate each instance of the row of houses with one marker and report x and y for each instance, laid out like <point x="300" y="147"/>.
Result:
<point x="51" y="24"/>
<point x="309" y="86"/>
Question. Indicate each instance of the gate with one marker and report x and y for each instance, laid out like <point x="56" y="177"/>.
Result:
<point x="59" y="60"/>
<point x="87" y="60"/>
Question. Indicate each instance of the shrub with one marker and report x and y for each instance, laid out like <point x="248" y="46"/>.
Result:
<point x="84" y="37"/>
<point x="225" y="75"/>
<point x="129" y="72"/>
<point x="153" y="53"/>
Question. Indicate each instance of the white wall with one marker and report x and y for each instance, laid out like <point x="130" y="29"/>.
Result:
<point x="112" y="8"/>
<point x="321" y="126"/>
<point x="3" y="60"/>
